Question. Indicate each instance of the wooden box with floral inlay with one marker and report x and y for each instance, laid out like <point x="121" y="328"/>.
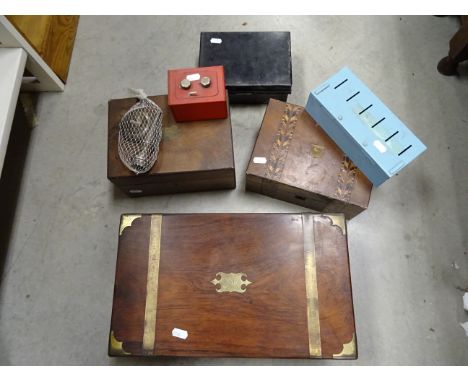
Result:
<point x="233" y="285"/>
<point x="296" y="161"/>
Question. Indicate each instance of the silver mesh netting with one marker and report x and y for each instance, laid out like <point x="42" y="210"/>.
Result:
<point x="140" y="132"/>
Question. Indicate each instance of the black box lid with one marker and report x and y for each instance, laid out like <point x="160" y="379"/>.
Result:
<point x="253" y="61"/>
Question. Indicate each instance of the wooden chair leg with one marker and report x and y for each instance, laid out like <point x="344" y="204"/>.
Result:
<point x="458" y="52"/>
<point x="447" y="66"/>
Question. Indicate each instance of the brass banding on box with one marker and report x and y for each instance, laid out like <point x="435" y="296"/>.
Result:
<point x="116" y="346"/>
<point x="149" y="334"/>
<point x="127" y="221"/>
<point x="337" y="220"/>
<point x="313" y="320"/>
<point x="349" y="350"/>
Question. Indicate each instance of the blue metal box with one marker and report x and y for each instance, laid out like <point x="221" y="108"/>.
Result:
<point x="363" y="127"/>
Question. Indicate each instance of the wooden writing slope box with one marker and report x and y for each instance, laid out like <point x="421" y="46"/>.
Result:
<point x="233" y="285"/>
<point x="193" y="156"/>
<point x="294" y="160"/>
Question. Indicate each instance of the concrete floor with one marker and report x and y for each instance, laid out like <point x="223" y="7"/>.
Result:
<point x="60" y="214"/>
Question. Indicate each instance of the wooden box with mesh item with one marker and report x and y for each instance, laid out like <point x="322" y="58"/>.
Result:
<point x="233" y="285"/>
<point x="296" y="161"/>
<point x="193" y="156"/>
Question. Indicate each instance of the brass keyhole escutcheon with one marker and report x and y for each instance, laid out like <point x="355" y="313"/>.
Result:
<point x="317" y="151"/>
<point x="231" y="282"/>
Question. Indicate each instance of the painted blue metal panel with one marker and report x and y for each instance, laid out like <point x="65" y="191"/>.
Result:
<point x="363" y="127"/>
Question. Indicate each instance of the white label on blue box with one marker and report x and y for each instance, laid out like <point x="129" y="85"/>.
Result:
<point x="380" y="146"/>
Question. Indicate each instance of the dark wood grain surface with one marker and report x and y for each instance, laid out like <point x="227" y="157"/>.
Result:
<point x="128" y="312"/>
<point x="268" y="320"/>
<point x="334" y="287"/>
<point x="315" y="173"/>
<point x="193" y="156"/>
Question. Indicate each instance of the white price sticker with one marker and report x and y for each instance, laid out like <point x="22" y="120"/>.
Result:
<point x="193" y="77"/>
<point x="380" y="146"/>
<point x="260" y="160"/>
<point x="216" y="41"/>
<point x="179" y="333"/>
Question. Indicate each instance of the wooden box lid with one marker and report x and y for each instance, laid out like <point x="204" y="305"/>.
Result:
<point x="186" y="147"/>
<point x="233" y="285"/>
<point x="293" y="152"/>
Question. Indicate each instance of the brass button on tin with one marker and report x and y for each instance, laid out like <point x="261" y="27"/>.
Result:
<point x="185" y="84"/>
<point x="205" y="82"/>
